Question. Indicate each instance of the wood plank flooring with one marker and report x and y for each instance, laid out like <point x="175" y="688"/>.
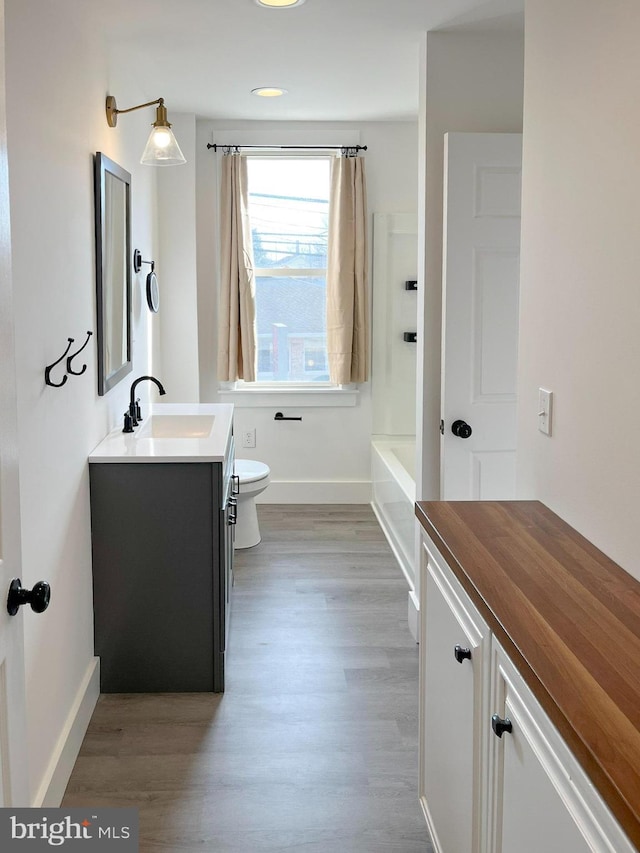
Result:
<point x="314" y="745"/>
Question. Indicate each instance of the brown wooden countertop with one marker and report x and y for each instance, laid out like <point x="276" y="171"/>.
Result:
<point x="569" y="617"/>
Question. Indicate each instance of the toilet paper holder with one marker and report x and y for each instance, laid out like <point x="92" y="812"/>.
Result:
<point x="280" y="417"/>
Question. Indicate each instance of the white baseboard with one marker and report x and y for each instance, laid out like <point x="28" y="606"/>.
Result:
<point x="56" y="777"/>
<point x="316" y="492"/>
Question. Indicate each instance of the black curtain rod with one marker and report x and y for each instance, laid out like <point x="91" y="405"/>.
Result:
<point x="216" y="145"/>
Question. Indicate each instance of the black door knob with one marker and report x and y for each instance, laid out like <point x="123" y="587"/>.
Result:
<point x="500" y="726"/>
<point x="38" y="597"/>
<point x="461" y="429"/>
<point x="461" y="654"/>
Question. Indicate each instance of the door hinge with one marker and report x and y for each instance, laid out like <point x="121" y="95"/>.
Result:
<point x="441" y="427"/>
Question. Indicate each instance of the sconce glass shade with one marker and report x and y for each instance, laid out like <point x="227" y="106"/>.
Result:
<point x="162" y="149"/>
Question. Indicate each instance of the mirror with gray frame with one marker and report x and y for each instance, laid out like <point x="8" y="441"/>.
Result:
<point x="113" y="271"/>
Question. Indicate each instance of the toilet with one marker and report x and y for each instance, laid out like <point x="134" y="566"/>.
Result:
<point x="254" y="479"/>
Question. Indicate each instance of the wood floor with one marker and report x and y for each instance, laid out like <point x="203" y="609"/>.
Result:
<point x="313" y="747"/>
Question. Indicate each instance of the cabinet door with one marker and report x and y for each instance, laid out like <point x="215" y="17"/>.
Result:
<point x="541" y="797"/>
<point x="452" y="697"/>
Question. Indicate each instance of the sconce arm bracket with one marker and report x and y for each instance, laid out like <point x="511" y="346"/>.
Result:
<point x="138" y="261"/>
<point x="113" y="112"/>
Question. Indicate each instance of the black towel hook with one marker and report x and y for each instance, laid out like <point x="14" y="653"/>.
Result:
<point x="49" y="368"/>
<point x="73" y="355"/>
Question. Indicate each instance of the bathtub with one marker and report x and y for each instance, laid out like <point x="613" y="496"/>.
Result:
<point x="393" y="465"/>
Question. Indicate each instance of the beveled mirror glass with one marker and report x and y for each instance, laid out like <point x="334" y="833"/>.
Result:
<point x="113" y="271"/>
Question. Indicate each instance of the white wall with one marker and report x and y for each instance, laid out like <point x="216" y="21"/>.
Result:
<point x="395" y="311"/>
<point x="331" y="445"/>
<point x="57" y="79"/>
<point x="177" y="354"/>
<point x="469" y="82"/>
<point x="580" y="293"/>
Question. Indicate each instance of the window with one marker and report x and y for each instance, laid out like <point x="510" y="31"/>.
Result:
<point x="289" y="215"/>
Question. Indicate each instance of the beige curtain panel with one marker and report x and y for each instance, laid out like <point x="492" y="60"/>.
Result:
<point x="237" y="304"/>
<point x="347" y="285"/>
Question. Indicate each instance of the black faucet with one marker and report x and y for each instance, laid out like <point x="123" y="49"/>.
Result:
<point x="133" y="416"/>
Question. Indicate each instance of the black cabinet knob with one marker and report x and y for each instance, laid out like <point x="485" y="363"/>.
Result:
<point x="38" y="597"/>
<point x="461" y="654"/>
<point x="500" y="726"/>
<point x="461" y="429"/>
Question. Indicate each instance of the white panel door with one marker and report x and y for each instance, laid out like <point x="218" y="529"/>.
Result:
<point x="13" y="769"/>
<point x="481" y="259"/>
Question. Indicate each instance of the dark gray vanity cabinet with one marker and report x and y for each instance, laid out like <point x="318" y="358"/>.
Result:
<point x="162" y="542"/>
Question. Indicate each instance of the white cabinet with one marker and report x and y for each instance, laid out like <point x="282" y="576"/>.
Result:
<point x="541" y="798"/>
<point x="454" y="649"/>
<point x="523" y="792"/>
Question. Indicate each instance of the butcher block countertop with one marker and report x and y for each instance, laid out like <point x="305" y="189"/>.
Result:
<point x="569" y="618"/>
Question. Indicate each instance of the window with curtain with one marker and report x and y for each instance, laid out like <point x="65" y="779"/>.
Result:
<point x="293" y="296"/>
<point x="288" y="206"/>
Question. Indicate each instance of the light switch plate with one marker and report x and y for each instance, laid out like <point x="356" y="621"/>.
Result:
<point x="545" y="404"/>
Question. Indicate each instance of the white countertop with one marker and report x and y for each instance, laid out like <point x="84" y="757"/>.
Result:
<point x="171" y="432"/>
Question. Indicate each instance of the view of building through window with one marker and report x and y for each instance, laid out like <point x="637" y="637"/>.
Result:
<point x="289" y="214"/>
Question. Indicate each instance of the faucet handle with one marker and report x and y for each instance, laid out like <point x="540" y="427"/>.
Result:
<point x="128" y="423"/>
<point x="132" y="413"/>
<point x="138" y="411"/>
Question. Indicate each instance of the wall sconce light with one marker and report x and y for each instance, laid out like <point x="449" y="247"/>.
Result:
<point x="161" y="148"/>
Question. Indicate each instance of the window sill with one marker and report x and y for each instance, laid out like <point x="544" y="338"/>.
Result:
<point x="300" y="397"/>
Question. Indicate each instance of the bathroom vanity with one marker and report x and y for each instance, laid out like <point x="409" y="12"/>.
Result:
<point x="162" y="516"/>
<point x="529" y="684"/>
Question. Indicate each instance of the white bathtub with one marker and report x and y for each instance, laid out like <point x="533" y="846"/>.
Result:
<point x="393" y="465"/>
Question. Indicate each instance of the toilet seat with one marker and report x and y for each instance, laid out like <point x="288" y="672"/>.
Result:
<point x="250" y="471"/>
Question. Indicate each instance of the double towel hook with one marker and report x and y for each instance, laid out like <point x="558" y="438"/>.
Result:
<point x="49" y="368"/>
<point x="71" y="357"/>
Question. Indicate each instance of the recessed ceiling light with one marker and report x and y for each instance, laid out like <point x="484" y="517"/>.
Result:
<point x="268" y="92"/>
<point x="279" y="4"/>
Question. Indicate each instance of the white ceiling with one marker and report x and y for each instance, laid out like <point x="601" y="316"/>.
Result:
<point x="340" y="60"/>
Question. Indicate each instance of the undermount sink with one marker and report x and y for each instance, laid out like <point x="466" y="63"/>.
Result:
<point x="178" y="426"/>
